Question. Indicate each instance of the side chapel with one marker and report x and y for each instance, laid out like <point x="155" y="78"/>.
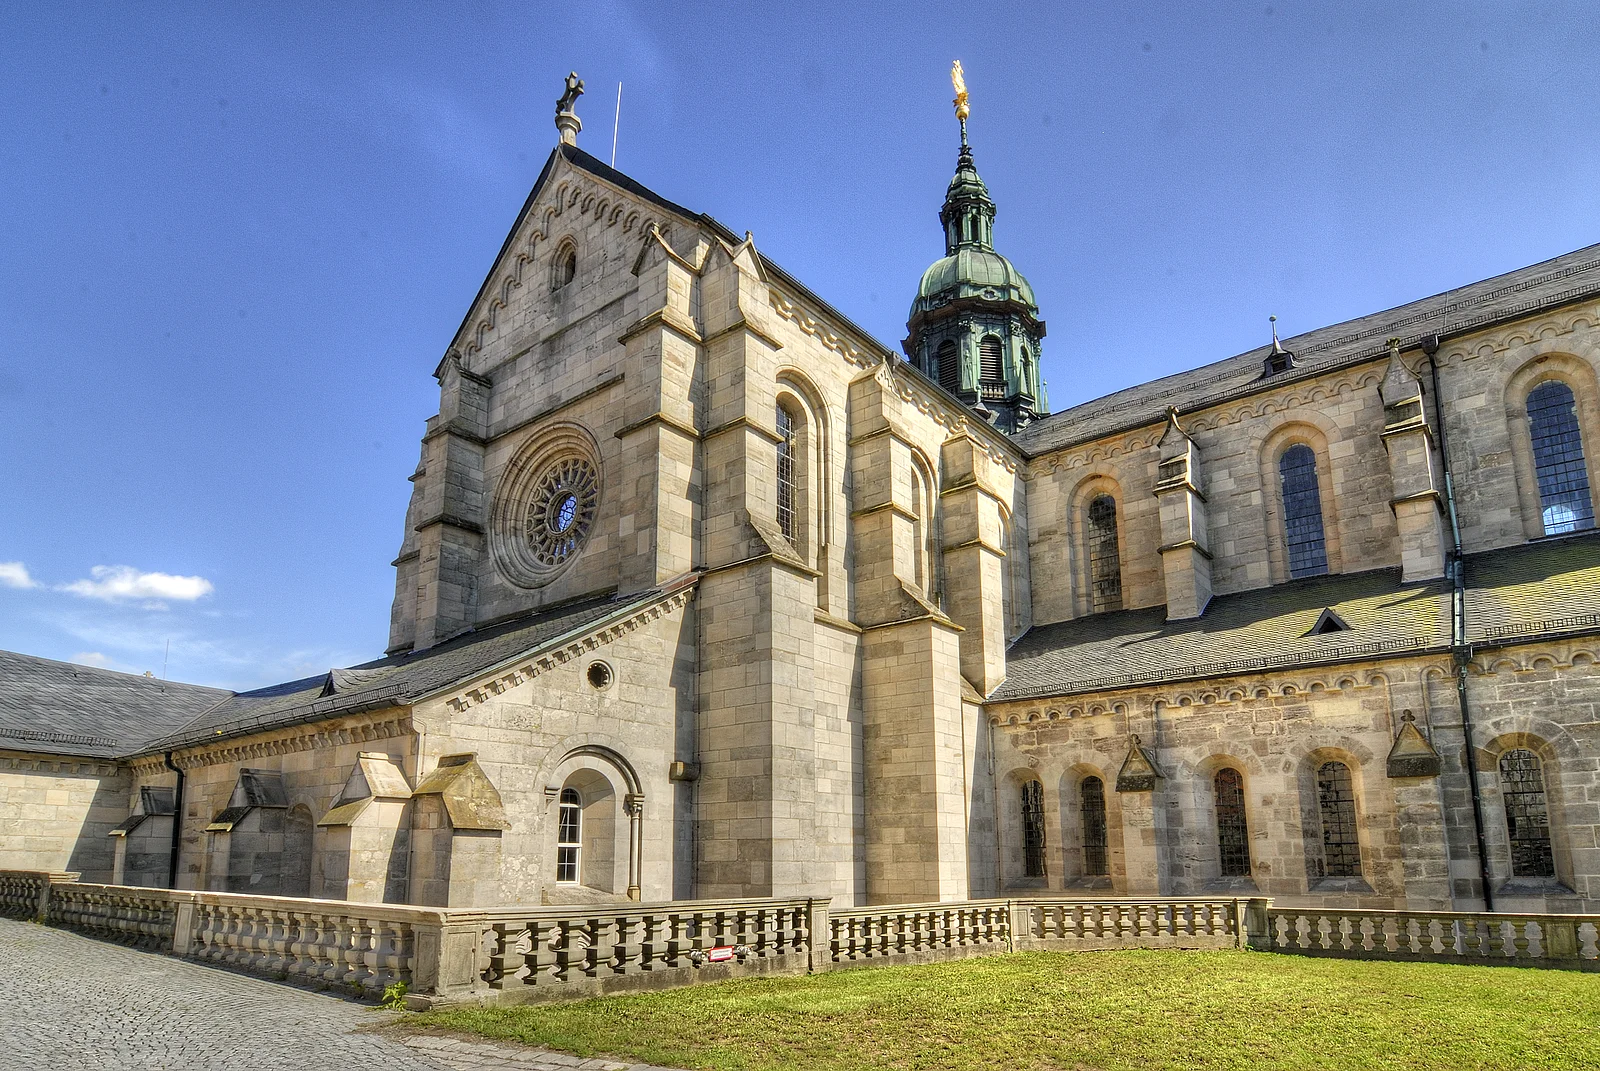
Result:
<point x="703" y="592"/>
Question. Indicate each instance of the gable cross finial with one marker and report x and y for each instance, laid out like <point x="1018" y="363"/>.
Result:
<point x="567" y="121"/>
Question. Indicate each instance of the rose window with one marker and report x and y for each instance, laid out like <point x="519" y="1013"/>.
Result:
<point x="546" y="506"/>
<point x="561" y="510"/>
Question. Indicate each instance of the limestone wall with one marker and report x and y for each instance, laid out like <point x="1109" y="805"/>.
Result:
<point x="1417" y="841"/>
<point x="1484" y="381"/>
<point x="58" y="813"/>
<point x="613" y="742"/>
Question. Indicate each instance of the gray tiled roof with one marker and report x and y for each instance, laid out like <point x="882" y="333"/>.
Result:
<point x="61" y="709"/>
<point x="1530" y="590"/>
<point x="1566" y="278"/>
<point x="397" y="679"/>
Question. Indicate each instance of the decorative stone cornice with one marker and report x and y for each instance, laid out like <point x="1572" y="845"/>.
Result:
<point x="25" y="763"/>
<point x="576" y="193"/>
<point x="524" y="670"/>
<point x="316" y="736"/>
<point x="1178" y="698"/>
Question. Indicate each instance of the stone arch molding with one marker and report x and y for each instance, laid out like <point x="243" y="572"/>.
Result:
<point x="526" y="542"/>
<point x="603" y="755"/>
<point x="573" y="195"/>
<point x="1313" y="430"/>
<point x="1544" y="361"/>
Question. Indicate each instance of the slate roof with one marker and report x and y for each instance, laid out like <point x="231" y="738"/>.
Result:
<point x="1570" y="277"/>
<point x="1536" y="589"/>
<point x="398" y="679"/>
<point x="62" y="709"/>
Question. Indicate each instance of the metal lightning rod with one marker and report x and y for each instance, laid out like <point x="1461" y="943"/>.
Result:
<point x="614" y="124"/>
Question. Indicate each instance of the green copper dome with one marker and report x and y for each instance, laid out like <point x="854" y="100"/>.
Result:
<point x="972" y="272"/>
<point x="970" y="268"/>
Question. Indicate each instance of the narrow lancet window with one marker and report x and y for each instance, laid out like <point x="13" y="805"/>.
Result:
<point x="569" y="830"/>
<point x="991" y="362"/>
<point x="1105" y="563"/>
<point x="1527" y="815"/>
<point x="1558" y="462"/>
<point x="1341" y="840"/>
<point x="949" y="359"/>
<point x="1233" y="835"/>
<point x="1033" y="829"/>
<point x="788" y="490"/>
<point x="1302" y="512"/>
<point x="1092" y="804"/>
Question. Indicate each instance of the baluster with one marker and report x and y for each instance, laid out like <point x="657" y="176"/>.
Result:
<point x="1519" y="931"/>
<point x="302" y="936"/>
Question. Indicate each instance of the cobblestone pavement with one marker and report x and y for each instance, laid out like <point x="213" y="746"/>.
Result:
<point x="68" y="1001"/>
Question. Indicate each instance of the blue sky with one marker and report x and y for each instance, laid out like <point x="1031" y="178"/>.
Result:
<point x="235" y="239"/>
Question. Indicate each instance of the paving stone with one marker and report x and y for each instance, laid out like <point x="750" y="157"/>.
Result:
<point x="70" y="1001"/>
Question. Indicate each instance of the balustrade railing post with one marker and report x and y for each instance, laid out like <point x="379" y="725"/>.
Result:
<point x="819" y="951"/>
<point x="449" y="954"/>
<point x="1257" y="929"/>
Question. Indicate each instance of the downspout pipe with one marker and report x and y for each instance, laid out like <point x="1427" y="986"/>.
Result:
<point x="177" y="823"/>
<point x="1461" y="651"/>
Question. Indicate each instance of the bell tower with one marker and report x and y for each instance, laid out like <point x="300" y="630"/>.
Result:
<point x="974" y="325"/>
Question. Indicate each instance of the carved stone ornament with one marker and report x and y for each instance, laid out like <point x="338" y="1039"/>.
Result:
<point x="1412" y="755"/>
<point x="546" y="505"/>
<point x="1138" y="773"/>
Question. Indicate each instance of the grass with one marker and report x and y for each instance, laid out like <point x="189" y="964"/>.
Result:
<point x="1105" y="1011"/>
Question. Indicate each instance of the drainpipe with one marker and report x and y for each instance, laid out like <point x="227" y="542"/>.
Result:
<point x="177" y="823"/>
<point x="1460" y="650"/>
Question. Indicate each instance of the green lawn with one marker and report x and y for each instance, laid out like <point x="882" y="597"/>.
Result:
<point x="1106" y="1011"/>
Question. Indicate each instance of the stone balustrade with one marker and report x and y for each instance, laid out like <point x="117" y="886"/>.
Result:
<point x="1569" y="941"/>
<point x="524" y="954"/>
<point x="919" y="933"/>
<point x="559" y="952"/>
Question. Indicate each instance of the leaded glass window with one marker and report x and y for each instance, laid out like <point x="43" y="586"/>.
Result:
<point x="1092" y="804"/>
<point x="1527" y="815"/>
<point x="1233" y="835"/>
<point x="949" y="359"/>
<point x="1033" y="829"/>
<point x="991" y="366"/>
<point x="1558" y="463"/>
<point x="569" y="830"/>
<point x="1302" y="512"/>
<point x="787" y="483"/>
<point x="1105" y="564"/>
<point x="1341" y="841"/>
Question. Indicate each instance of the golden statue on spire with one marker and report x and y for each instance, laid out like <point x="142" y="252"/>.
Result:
<point x="959" y="80"/>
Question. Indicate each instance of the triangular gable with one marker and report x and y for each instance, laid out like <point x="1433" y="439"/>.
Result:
<point x="624" y="201"/>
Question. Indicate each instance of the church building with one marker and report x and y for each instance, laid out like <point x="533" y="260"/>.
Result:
<point x="703" y="592"/>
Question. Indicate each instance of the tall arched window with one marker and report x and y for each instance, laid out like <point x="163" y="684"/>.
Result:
<point x="1105" y="563"/>
<point x="925" y="527"/>
<point x="1336" y="803"/>
<point x="991" y="362"/>
<point x="788" y="476"/>
<point x="949" y="359"/>
<point x="1033" y="829"/>
<point x="1302" y="512"/>
<point x="569" y="835"/>
<point x="1558" y="463"/>
<point x="1527" y="815"/>
<point x="1233" y="835"/>
<point x="1092" y="813"/>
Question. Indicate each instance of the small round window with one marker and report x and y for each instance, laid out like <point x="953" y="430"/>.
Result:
<point x="599" y="675"/>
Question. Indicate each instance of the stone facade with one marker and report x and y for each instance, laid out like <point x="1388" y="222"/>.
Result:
<point x="801" y="622"/>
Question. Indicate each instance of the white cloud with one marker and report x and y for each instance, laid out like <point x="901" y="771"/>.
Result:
<point x="15" y="575"/>
<point x="114" y="583"/>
